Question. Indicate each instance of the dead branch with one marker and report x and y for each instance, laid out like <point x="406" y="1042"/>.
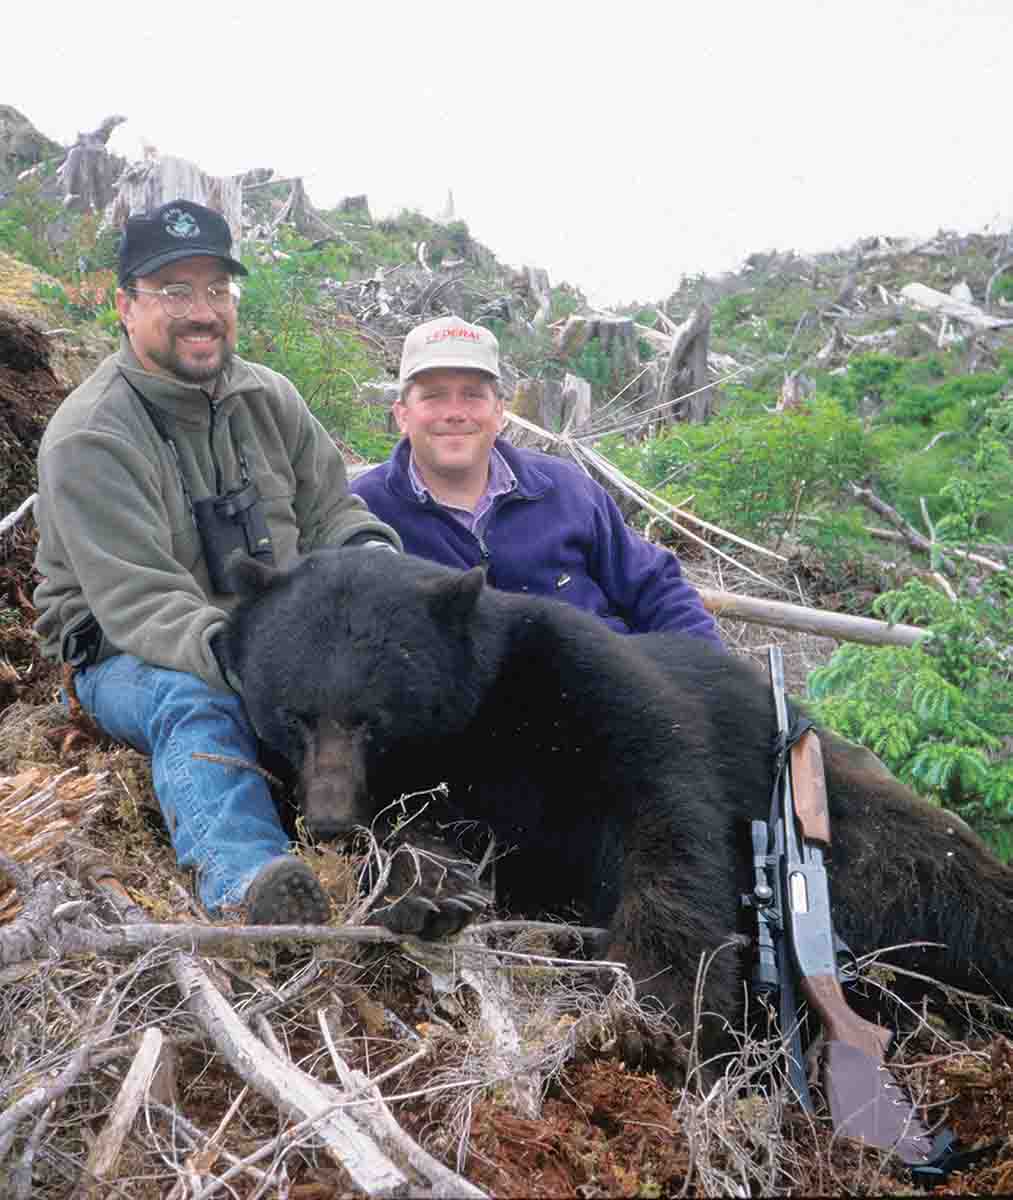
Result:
<point x="12" y="520"/>
<point x="106" y="1151"/>
<point x="301" y="1097"/>
<point x="488" y="929"/>
<point x="38" y="933"/>
<point x="39" y="1098"/>
<point x="989" y="564"/>
<point x="911" y="535"/>
<point x="206" y="1159"/>
<point x="893" y="535"/>
<point x="276" y="999"/>
<point x="28" y="937"/>
<point x="649" y="502"/>
<point x="372" y="1110"/>
<point x="45" y="1096"/>
<point x="842" y="626"/>
<point x="21" y="1177"/>
<point x="499" y="1030"/>
<point x="205" y="1140"/>
<point x="937" y="438"/>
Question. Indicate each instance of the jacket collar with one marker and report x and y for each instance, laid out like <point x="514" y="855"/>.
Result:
<point x="532" y="482"/>
<point x="187" y="402"/>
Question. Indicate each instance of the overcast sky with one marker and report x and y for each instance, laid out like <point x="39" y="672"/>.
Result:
<point x="618" y="146"/>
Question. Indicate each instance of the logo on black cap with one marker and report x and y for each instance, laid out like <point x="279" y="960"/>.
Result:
<point x="181" y="224"/>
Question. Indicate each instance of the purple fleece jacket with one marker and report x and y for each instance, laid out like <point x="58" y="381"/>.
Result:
<point x="558" y="533"/>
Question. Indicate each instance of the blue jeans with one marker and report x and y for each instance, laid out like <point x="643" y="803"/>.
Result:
<point x="222" y="819"/>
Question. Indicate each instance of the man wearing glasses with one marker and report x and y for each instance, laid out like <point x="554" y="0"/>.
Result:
<point x="170" y="457"/>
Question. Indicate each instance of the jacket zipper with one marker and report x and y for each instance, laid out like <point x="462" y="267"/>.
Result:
<point x="483" y="549"/>
<point x="211" y="446"/>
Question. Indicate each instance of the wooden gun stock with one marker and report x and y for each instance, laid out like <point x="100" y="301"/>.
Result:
<point x="809" y="789"/>
<point x="864" y="1099"/>
<point x="839" y="1020"/>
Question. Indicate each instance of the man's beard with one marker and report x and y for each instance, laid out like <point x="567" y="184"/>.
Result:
<point x="187" y="372"/>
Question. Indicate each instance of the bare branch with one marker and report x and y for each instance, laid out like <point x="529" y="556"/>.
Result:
<point x="298" y="1095"/>
<point x="869" y="498"/>
<point x="106" y="1150"/>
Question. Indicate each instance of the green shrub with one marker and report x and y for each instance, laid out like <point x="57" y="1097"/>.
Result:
<point x="750" y="471"/>
<point x="936" y="713"/>
<point x="534" y="355"/>
<point x="966" y="481"/>
<point x="987" y="488"/>
<point x="367" y="439"/>
<point x="92" y="298"/>
<point x="915" y="392"/>
<point x="282" y="326"/>
<point x="918" y="403"/>
<point x="25" y="221"/>
<point x="564" y="301"/>
<point x="729" y="312"/>
<point x="605" y="370"/>
<point x="66" y="245"/>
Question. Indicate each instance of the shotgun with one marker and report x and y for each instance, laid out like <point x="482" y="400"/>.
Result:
<point x="796" y="942"/>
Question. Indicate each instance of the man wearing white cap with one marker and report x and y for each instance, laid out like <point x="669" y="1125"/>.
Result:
<point x="459" y="494"/>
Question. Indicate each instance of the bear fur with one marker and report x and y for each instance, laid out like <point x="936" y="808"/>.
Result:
<point x="624" y="770"/>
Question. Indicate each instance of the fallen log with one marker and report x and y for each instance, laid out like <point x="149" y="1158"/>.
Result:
<point x="921" y="296"/>
<point x="843" y="626"/>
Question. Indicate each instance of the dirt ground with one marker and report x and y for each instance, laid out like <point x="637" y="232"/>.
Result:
<point x="604" y="1129"/>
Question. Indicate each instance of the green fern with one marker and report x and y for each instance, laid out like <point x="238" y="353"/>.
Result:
<point x="939" y="713"/>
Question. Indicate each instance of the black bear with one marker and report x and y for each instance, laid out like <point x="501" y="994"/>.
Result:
<point x="624" y="769"/>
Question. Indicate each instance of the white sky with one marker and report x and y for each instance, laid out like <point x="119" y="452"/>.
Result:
<point x="616" y="145"/>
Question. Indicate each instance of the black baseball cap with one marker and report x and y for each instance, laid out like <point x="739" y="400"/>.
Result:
<point x="179" y="229"/>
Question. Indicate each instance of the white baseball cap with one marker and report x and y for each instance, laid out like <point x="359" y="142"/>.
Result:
<point x="449" y="342"/>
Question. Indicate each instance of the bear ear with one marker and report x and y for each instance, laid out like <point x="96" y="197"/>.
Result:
<point x="455" y="599"/>
<point x="249" y="576"/>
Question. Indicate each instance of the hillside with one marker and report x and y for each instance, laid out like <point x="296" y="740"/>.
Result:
<point x="811" y="428"/>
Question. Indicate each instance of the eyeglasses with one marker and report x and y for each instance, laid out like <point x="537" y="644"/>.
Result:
<point x="178" y="298"/>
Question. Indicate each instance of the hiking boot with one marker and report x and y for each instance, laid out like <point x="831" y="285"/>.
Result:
<point x="286" y="892"/>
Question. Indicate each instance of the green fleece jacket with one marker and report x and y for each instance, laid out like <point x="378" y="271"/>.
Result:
<point x="116" y="535"/>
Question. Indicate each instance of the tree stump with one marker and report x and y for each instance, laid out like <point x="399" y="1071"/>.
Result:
<point x="686" y="371"/>
<point x="146" y="186"/>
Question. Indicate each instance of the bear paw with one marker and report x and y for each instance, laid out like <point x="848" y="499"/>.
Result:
<point x="430" y="892"/>
<point x="640" y="1041"/>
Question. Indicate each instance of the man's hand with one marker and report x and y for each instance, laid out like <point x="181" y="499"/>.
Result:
<point x="220" y="649"/>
